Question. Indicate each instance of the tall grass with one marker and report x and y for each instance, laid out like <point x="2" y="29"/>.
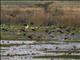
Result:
<point x="62" y="15"/>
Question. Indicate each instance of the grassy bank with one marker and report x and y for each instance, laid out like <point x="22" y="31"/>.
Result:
<point x="60" y="56"/>
<point x="9" y="45"/>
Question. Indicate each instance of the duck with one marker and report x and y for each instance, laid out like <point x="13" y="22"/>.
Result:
<point x="30" y="36"/>
<point x="26" y="27"/>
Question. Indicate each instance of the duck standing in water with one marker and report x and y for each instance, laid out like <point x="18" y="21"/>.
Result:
<point x="30" y="36"/>
<point x="33" y="29"/>
<point x="74" y="47"/>
<point x="66" y="37"/>
<point x="46" y="30"/>
<point x="72" y="35"/>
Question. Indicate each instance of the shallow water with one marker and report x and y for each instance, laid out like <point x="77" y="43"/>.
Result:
<point x="29" y="50"/>
<point x="28" y="58"/>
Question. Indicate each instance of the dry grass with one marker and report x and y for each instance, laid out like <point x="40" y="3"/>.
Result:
<point x="66" y="15"/>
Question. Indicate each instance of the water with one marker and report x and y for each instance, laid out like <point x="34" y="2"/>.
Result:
<point x="27" y="58"/>
<point x="29" y="50"/>
<point x="15" y="42"/>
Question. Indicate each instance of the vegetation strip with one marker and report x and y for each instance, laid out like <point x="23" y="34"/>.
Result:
<point x="9" y="45"/>
<point x="60" y="56"/>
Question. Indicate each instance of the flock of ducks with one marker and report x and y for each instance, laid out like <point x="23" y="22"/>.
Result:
<point x="61" y="30"/>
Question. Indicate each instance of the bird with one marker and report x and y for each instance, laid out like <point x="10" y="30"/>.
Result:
<point x="67" y="29"/>
<point x="4" y="29"/>
<point x="30" y="36"/>
<point x="56" y="48"/>
<point x="24" y="24"/>
<point x="7" y="41"/>
<point x="13" y="15"/>
<point x="46" y="31"/>
<point x="24" y="34"/>
<point x="33" y="29"/>
<point x="51" y="32"/>
<point x="2" y="41"/>
<point x="26" y="27"/>
<point x="72" y="33"/>
<point x="22" y="30"/>
<point x="74" y="47"/>
<point x="31" y="23"/>
<point x="60" y="30"/>
<point x="69" y="53"/>
<point x="8" y="54"/>
<point x="65" y="38"/>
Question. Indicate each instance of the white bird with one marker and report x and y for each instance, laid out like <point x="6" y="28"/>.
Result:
<point x="26" y="27"/>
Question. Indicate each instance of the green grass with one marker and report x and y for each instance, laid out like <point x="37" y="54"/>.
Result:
<point x="8" y="38"/>
<point x="8" y="45"/>
<point x="60" y="56"/>
<point x="73" y="40"/>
